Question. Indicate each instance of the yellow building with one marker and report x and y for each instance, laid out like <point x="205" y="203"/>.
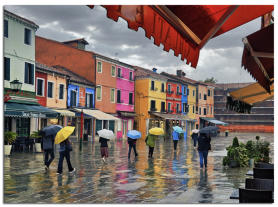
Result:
<point x="192" y="104"/>
<point x="150" y="96"/>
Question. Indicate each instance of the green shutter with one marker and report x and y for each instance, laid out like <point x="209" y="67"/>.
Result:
<point x="26" y="73"/>
<point x="7" y="68"/>
<point x="32" y="74"/>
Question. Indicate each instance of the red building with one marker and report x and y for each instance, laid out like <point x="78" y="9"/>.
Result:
<point x="173" y="97"/>
<point x="41" y="92"/>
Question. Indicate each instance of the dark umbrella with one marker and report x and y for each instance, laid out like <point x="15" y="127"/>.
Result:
<point x="211" y="130"/>
<point x="51" y="130"/>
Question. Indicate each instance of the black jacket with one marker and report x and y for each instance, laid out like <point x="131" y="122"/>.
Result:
<point x="194" y="135"/>
<point x="47" y="142"/>
<point x="103" y="142"/>
<point x="131" y="141"/>
<point x="204" y="143"/>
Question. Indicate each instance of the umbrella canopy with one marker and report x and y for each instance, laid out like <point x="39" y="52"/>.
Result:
<point x="211" y="130"/>
<point x="195" y="131"/>
<point x="134" y="134"/>
<point x="51" y="130"/>
<point x="156" y="131"/>
<point x="63" y="134"/>
<point x="185" y="28"/>
<point x="178" y="129"/>
<point x="105" y="133"/>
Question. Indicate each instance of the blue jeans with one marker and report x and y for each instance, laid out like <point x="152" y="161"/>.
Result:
<point x="195" y="141"/>
<point x="203" y="158"/>
<point x="130" y="148"/>
<point x="63" y="154"/>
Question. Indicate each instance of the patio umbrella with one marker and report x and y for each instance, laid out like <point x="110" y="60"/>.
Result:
<point x="105" y="133"/>
<point x="63" y="134"/>
<point x="51" y="130"/>
<point x="134" y="134"/>
<point x="156" y="131"/>
<point x="211" y="130"/>
<point x="178" y="129"/>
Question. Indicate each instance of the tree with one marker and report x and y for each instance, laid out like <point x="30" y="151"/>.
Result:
<point x="210" y="80"/>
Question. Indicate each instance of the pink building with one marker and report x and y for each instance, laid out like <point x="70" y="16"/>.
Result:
<point x="125" y="98"/>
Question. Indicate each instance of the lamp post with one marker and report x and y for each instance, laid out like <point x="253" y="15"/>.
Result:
<point x="15" y="85"/>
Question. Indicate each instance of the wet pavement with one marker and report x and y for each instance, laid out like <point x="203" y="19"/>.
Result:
<point x="170" y="177"/>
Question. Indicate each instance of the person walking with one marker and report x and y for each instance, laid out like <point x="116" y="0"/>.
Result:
<point x="175" y="136"/>
<point x="195" y="138"/>
<point x="203" y="148"/>
<point x="131" y="144"/>
<point x="103" y="148"/>
<point x="47" y="145"/>
<point x="150" y="141"/>
<point x="65" y="149"/>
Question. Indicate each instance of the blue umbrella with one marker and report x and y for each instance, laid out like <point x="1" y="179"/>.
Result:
<point x="51" y="130"/>
<point x="134" y="134"/>
<point x="178" y="129"/>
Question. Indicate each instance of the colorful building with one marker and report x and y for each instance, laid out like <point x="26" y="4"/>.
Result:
<point x="22" y="111"/>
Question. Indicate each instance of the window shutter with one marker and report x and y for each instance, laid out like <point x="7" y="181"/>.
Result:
<point x="7" y="69"/>
<point x="32" y="74"/>
<point x="26" y="73"/>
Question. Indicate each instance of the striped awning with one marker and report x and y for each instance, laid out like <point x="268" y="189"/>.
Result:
<point x="65" y="112"/>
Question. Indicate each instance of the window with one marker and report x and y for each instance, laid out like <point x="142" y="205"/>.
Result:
<point x="193" y="107"/>
<point x="196" y="109"/>
<point x="184" y="108"/>
<point x="29" y="73"/>
<point x="152" y="85"/>
<point x="162" y="106"/>
<point x="162" y="87"/>
<point x="130" y="76"/>
<point x="129" y="124"/>
<point x="73" y="98"/>
<point x="89" y="100"/>
<point x="211" y="110"/>
<point x="6" y="28"/>
<point x="187" y="92"/>
<point x="119" y="72"/>
<point x="61" y="91"/>
<point x="153" y="105"/>
<point x="178" y="108"/>
<point x="40" y="87"/>
<point x="193" y="93"/>
<point x="6" y="68"/>
<point x="113" y="71"/>
<point x="169" y="106"/>
<point x="205" y="111"/>
<point x="112" y="95"/>
<point x="200" y="96"/>
<point x="178" y="89"/>
<point x="205" y="96"/>
<point x="169" y="88"/>
<point x="208" y="109"/>
<point x="99" y="93"/>
<point x="208" y="92"/>
<point x="50" y="89"/>
<point x="130" y="100"/>
<point x="119" y="96"/>
<point x="27" y="36"/>
<point x="200" y="111"/>
<point x="23" y="127"/>
<point x="99" y="67"/>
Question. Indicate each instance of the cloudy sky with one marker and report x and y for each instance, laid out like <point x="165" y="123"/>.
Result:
<point x="220" y="58"/>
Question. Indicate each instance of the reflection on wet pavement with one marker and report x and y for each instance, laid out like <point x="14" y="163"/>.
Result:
<point x="170" y="177"/>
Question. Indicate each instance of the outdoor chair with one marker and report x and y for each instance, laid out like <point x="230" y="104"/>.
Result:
<point x="20" y="144"/>
<point x="264" y="165"/>
<point x="263" y="173"/>
<point x="255" y="196"/>
<point x="259" y="184"/>
<point x="29" y="144"/>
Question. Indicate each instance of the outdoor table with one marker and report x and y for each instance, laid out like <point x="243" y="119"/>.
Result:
<point x="250" y="172"/>
<point x="235" y="194"/>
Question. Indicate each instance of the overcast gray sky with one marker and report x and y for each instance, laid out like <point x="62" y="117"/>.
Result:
<point x="220" y="58"/>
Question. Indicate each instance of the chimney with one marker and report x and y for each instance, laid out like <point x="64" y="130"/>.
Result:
<point x="180" y="73"/>
<point x="78" y="43"/>
<point x="154" y="70"/>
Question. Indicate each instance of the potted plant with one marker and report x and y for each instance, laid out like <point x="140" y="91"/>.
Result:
<point x="9" y="139"/>
<point x="36" y="135"/>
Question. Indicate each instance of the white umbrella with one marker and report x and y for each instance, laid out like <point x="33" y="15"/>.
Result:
<point x="105" y="133"/>
<point x="195" y="131"/>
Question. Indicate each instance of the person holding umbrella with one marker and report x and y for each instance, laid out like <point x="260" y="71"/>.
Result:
<point x="175" y="135"/>
<point x="47" y="144"/>
<point x="65" y="148"/>
<point x="132" y="135"/>
<point x="194" y="136"/>
<point x="151" y="137"/>
<point x="104" y="136"/>
<point x="203" y="148"/>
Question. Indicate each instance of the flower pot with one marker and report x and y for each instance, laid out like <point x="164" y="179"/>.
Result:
<point x="7" y="149"/>
<point x="38" y="147"/>
<point x="233" y="164"/>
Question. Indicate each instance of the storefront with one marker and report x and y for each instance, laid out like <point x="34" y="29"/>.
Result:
<point x="125" y="123"/>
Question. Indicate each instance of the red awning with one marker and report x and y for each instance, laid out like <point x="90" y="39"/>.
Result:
<point x="258" y="55"/>
<point x="185" y="28"/>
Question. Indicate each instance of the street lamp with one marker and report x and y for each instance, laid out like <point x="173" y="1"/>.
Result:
<point x="15" y="85"/>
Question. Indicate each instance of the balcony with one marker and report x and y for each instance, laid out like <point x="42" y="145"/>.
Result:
<point x="153" y="109"/>
<point x="170" y="92"/>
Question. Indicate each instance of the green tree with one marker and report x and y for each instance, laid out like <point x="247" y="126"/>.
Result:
<point x="210" y="80"/>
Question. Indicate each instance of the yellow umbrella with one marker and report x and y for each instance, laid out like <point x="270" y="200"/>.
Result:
<point x="156" y="131"/>
<point x="63" y="134"/>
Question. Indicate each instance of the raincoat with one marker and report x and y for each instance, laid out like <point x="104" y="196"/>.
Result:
<point x="151" y="140"/>
<point x="175" y="135"/>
